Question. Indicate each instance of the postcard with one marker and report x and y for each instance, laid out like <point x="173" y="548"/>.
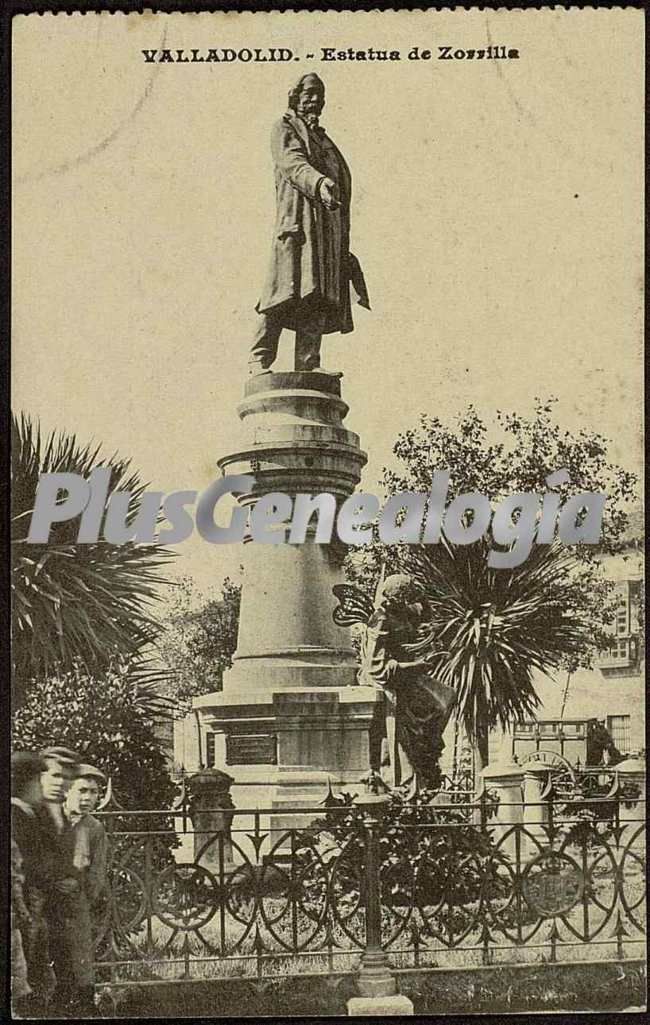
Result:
<point x="327" y="513"/>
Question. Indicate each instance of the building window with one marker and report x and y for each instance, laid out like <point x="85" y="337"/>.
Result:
<point x="626" y="641"/>
<point x="210" y="757"/>
<point x="622" y="617"/>
<point x="620" y="651"/>
<point x="619" y="727"/>
<point x="623" y="651"/>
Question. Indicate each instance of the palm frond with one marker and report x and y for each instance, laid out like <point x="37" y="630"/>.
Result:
<point x="75" y="602"/>
<point x="487" y="630"/>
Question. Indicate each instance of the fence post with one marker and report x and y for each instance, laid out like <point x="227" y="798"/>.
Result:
<point x="535" y="809"/>
<point x="631" y="796"/>
<point x="375" y="981"/>
<point x="375" y="977"/>
<point x="507" y="781"/>
<point x="211" y="812"/>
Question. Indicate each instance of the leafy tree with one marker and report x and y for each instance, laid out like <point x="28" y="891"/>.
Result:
<point x="101" y="716"/>
<point x="75" y="602"/>
<point x="486" y="630"/>
<point x="523" y="453"/>
<point x="199" y="638"/>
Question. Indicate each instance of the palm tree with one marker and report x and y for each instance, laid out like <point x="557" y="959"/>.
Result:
<point x="77" y="603"/>
<point x="487" y="629"/>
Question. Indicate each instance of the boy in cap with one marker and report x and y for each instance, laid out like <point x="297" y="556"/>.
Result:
<point x="33" y="875"/>
<point x="60" y="770"/>
<point x="86" y="849"/>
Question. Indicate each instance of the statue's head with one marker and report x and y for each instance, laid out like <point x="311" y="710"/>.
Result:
<point x="307" y="95"/>
<point x="398" y="591"/>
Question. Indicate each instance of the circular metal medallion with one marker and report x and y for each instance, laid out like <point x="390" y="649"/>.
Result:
<point x="552" y="884"/>
<point x="185" y="896"/>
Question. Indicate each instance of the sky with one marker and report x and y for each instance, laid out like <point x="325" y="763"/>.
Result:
<point x="497" y="213"/>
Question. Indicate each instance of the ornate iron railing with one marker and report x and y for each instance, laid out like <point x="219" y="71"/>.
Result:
<point x="282" y="893"/>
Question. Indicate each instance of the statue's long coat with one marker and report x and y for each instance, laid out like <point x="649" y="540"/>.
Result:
<point x="311" y="260"/>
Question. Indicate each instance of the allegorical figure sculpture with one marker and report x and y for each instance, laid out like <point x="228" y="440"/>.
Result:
<point x="418" y="707"/>
<point x="308" y="285"/>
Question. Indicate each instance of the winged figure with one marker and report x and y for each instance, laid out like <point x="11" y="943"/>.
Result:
<point x="417" y="706"/>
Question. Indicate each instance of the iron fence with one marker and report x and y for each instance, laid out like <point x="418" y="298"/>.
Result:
<point x="275" y="892"/>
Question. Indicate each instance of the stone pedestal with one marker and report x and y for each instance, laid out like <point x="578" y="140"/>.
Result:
<point x="211" y="813"/>
<point x="535" y="810"/>
<point x="632" y="791"/>
<point x="290" y="717"/>
<point x="506" y="781"/>
<point x="380" y="1007"/>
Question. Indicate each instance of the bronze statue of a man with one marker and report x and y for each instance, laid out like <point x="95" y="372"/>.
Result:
<point x="308" y="285"/>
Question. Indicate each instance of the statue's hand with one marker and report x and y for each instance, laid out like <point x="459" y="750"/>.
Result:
<point x="329" y="194"/>
<point x="393" y="666"/>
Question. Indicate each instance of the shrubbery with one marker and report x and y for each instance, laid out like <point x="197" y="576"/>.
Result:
<point x="103" y="719"/>
<point x="430" y="857"/>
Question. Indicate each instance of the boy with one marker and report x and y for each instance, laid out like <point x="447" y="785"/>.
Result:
<point x="85" y="840"/>
<point x="33" y="874"/>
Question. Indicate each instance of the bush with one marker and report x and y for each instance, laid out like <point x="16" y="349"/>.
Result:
<point x="429" y="857"/>
<point x="102" y="718"/>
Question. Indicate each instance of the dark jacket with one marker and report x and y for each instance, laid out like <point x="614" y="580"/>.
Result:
<point x="41" y="865"/>
<point x="39" y="847"/>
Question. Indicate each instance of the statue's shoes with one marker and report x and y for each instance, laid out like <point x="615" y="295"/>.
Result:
<point x="328" y="373"/>
<point x="255" y="368"/>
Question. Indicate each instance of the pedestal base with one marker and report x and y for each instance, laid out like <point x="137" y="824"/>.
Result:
<point x="286" y="748"/>
<point x="380" y="1006"/>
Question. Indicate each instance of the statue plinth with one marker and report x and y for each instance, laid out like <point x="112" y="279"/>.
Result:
<point x="211" y="814"/>
<point x="291" y="713"/>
